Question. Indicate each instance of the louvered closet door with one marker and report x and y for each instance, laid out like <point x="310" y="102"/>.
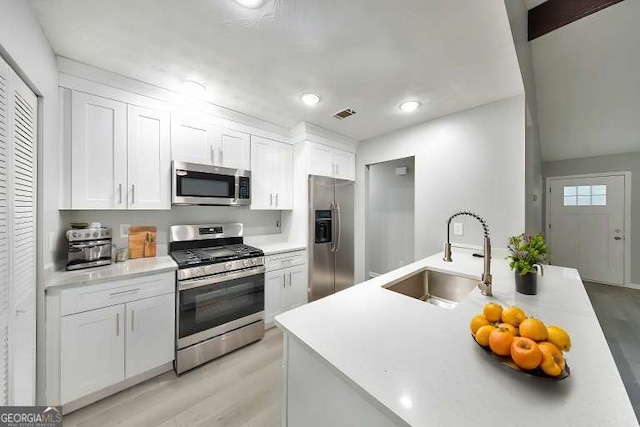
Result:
<point x="22" y="230"/>
<point x="4" y="236"/>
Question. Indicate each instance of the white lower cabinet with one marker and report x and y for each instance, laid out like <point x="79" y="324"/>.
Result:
<point x="150" y="334"/>
<point x="109" y="335"/>
<point x="92" y="351"/>
<point x="285" y="287"/>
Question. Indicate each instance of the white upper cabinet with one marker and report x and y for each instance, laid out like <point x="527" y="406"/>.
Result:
<point x="233" y="149"/>
<point x="120" y="155"/>
<point x="195" y="140"/>
<point x="331" y="162"/>
<point x="98" y="152"/>
<point x="191" y="139"/>
<point x="271" y="174"/>
<point x="149" y="159"/>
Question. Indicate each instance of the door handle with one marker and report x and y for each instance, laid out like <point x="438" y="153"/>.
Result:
<point x="120" y="193"/>
<point x="339" y="227"/>
<point x="117" y="324"/>
<point x="270" y="199"/>
<point x="213" y="155"/>
<point x="132" y="317"/>
<point x="284" y="281"/>
<point x="334" y="227"/>
<point x="220" y="155"/>
<point x="133" y="193"/>
<point x="276" y="200"/>
<point x="337" y="170"/>
<point x="618" y="238"/>
<point x="333" y="169"/>
<point x="289" y="279"/>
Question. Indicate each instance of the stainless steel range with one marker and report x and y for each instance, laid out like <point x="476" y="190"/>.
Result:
<point x="220" y="299"/>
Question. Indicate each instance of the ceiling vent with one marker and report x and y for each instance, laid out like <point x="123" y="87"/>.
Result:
<point x="344" y="114"/>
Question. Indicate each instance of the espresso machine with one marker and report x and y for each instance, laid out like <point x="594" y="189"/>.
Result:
<point x="88" y="247"/>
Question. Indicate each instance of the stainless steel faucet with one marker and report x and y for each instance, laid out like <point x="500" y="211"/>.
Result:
<point x="485" y="283"/>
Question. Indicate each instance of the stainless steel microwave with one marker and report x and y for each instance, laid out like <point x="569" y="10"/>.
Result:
<point x="199" y="184"/>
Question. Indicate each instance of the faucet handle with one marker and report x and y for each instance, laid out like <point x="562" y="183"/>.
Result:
<point x="485" y="288"/>
<point x="447" y="252"/>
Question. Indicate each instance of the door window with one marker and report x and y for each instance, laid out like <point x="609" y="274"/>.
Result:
<point x="585" y="195"/>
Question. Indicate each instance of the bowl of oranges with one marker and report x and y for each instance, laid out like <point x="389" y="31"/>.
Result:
<point x="522" y="343"/>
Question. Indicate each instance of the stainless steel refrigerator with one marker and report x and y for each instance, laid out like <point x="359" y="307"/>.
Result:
<point x="331" y="224"/>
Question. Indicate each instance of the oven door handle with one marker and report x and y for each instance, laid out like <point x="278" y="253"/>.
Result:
<point x="93" y="244"/>
<point x="204" y="281"/>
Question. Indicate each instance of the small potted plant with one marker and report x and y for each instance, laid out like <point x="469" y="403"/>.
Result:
<point x="527" y="254"/>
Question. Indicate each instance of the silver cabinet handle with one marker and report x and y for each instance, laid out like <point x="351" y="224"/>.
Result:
<point x="133" y="193"/>
<point x="284" y="281"/>
<point x="132" y="317"/>
<point x="289" y="279"/>
<point x="213" y="155"/>
<point x="271" y="199"/>
<point x="220" y="155"/>
<point x="276" y="200"/>
<point x="333" y="169"/>
<point x="113" y="294"/>
<point x="117" y="324"/>
<point x="120" y="193"/>
<point x="337" y="170"/>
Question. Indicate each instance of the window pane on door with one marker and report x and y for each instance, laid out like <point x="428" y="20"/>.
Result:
<point x="570" y="201"/>
<point x="585" y="195"/>
<point x="570" y="191"/>
<point x="599" y="200"/>
<point x="584" y="190"/>
<point x="598" y="190"/>
<point x="584" y="200"/>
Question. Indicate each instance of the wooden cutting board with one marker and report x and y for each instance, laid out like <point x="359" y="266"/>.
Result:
<point x="142" y="241"/>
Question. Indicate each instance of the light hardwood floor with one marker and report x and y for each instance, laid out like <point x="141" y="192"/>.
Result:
<point x="241" y="389"/>
<point x="618" y="311"/>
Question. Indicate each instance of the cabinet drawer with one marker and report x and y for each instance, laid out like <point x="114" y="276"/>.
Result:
<point x="90" y="297"/>
<point x="285" y="260"/>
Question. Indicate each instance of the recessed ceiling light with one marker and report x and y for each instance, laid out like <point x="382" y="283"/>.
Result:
<point x="409" y="106"/>
<point x="194" y="88"/>
<point x="310" y="99"/>
<point x="251" y="4"/>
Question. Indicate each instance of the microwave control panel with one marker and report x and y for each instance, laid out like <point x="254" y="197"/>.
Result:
<point x="243" y="188"/>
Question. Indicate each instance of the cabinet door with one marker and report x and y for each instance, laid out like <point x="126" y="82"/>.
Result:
<point x="274" y="287"/>
<point x="263" y="178"/>
<point x="320" y="160"/>
<point x="92" y="351"/>
<point x="149" y="159"/>
<point x="233" y="149"/>
<point x="191" y="139"/>
<point x="98" y="152"/>
<point x="344" y="164"/>
<point x="297" y="287"/>
<point x="150" y="334"/>
<point x="283" y="167"/>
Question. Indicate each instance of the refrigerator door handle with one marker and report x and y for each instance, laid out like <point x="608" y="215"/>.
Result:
<point x="338" y="227"/>
<point x="334" y="234"/>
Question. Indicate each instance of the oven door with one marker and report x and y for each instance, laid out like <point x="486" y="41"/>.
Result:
<point x="211" y="306"/>
<point x="195" y="184"/>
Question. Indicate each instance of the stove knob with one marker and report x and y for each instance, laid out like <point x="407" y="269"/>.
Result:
<point x="208" y="269"/>
<point x="228" y="266"/>
<point x="95" y="234"/>
<point x="256" y="261"/>
<point x="247" y="262"/>
<point x="87" y="234"/>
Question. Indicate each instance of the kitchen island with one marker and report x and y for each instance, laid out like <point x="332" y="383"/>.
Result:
<point x="368" y="356"/>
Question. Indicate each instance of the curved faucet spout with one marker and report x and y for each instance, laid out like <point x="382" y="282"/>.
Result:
<point x="485" y="283"/>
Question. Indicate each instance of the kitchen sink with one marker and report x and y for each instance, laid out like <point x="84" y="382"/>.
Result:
<point x="433" y="287"/>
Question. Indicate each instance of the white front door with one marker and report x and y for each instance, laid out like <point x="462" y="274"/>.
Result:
<point x="586" y="226"/>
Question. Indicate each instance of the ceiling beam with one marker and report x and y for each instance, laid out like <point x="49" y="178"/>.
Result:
<point x="554" y="14"/>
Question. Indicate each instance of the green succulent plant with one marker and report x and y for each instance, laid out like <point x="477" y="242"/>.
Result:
<point x="526" y="250"/>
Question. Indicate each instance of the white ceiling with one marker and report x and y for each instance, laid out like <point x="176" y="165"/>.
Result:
<point x="588" y="85"/>
<point x="368" y="55"/>
<point x="533" y="3"/>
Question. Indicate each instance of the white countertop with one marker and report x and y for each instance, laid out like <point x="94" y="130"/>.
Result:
<point x="419" y="361"/>
<point x="273" y="244"/>
<point x="130" y="268"/>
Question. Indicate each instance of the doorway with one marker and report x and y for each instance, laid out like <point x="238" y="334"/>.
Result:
<point x="588" y="222"/>
<point x="390" y="213"/>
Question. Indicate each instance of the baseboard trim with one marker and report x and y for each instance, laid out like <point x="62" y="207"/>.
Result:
<point x="625" y="286"/>
<point x="632" y="286"/>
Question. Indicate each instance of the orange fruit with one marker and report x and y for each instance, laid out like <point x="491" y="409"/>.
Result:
<point x="500" y="341"/>
<point x="477" y="322"/>
<point x="534" y="329"/>
<point x="552" y="359"/>
<point x="512" y="329"/>
<point x="559" y="337"/>
<point x="513" y="316"/>
<point x="482" y="335"/>
<point x="526" y="353"/>
<point x="493" y="312"/>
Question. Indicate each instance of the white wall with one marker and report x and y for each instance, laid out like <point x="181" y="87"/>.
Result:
<point x="474" y="159"/>
<point x="255" y="222"/>
<point x="518" y="19"/>
<point x="588" y="85"/>
<point x="390" y="216"/>
<point x="25" y="47"/>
